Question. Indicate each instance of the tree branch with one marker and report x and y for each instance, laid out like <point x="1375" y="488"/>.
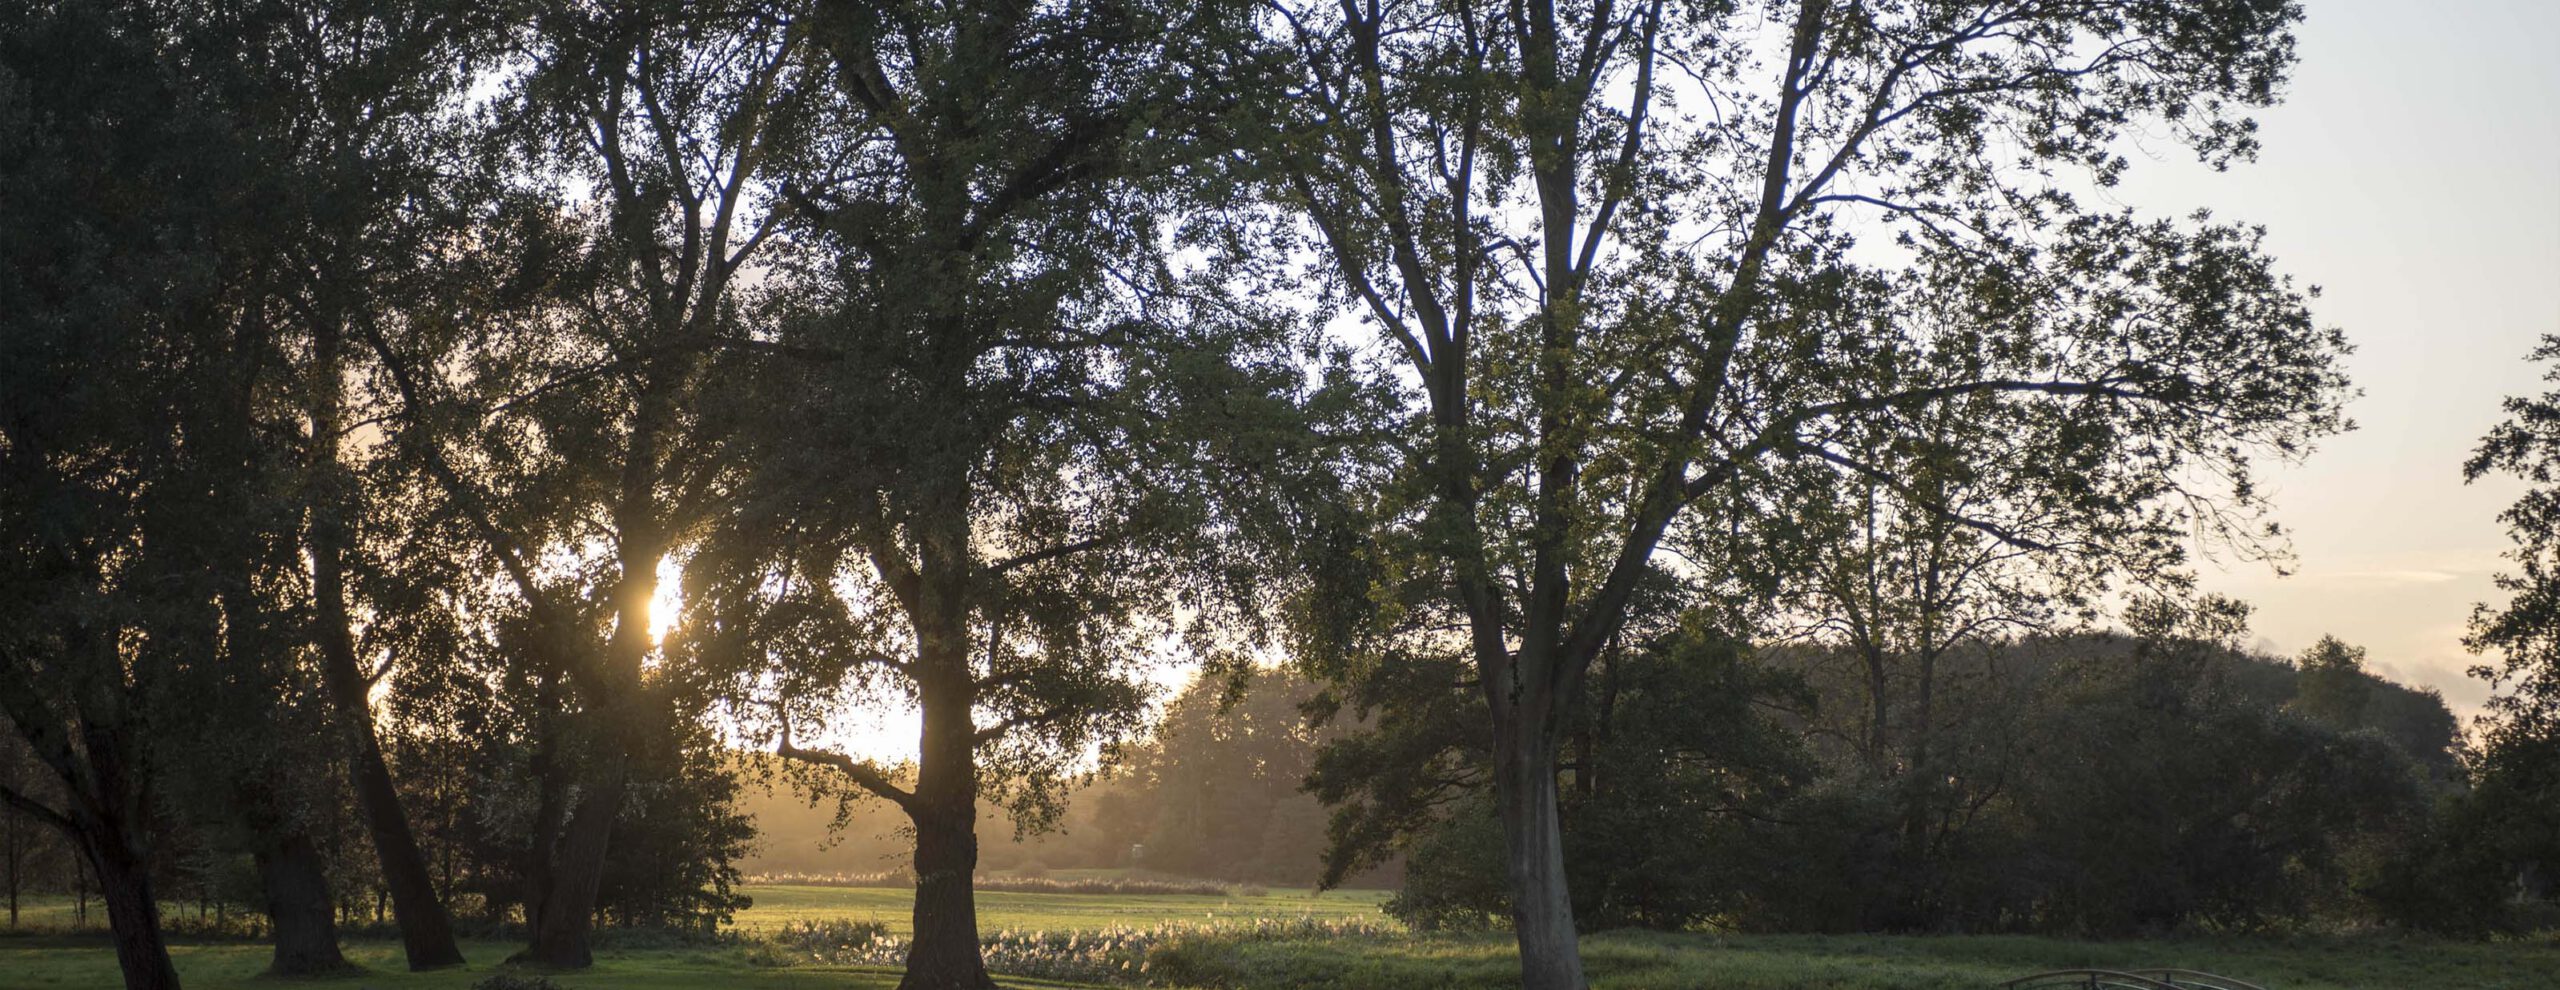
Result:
<point x="39" y="811"/>
<point x="865" y="773"/>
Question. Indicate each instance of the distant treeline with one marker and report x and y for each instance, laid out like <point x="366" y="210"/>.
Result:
<point x="1214" y="792"/>
<point x="2100" y="783"/>
<point x="2087" y="784"/>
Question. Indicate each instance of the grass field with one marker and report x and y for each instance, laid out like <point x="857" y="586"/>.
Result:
<point x="1618" y="961"/>
<point x="776" y="906"/>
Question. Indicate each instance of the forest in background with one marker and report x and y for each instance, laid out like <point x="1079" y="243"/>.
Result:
<point x="2093" y="784"/>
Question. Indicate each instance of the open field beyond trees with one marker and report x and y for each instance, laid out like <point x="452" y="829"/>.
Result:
<point x="1369" y="952"/>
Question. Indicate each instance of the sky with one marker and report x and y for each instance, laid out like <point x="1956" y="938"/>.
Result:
<point x="2413" y="173"/>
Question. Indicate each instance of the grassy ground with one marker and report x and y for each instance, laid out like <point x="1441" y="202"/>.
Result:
<point x="87" y="962"/>
<point x="1657" y="961"/>
<point x="1618" y="961"/>
<point x="776" y="906"/>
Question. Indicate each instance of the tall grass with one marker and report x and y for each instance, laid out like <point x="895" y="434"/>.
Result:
<point x="1166" y="954"/>
<point x="1112" y="886"/>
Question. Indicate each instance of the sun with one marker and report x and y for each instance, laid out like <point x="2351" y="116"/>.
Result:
<point x="667" y="605"/>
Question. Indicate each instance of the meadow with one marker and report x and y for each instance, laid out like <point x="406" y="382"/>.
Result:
<point x="1334" y="941"/>
<point x="776" y="906"/>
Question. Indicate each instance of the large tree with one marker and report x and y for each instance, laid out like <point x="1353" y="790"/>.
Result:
<point x="131" y="465"/>
<point x="374" y="174"/>
<point x="2525" y="631"/>
<point x="2517" y="764"/>
<point x="1641" y="260"/>
<point x="562" y="398"/>
<point x="1006" y="446"/>
<point x="1880" y="571"/>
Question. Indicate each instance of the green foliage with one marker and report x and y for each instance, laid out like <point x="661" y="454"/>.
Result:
<point x="2163" y="799"/>
<point x="1620" y="324"/>
<point x="2526" y="630"/>
<point x="2095" y="783"/>
<point x="2333" y="687"/>
<point x="2512" y="816"/>
<point x="1453" y="873"/>
<point x="2085" y="784"/>
<point x="1677" y="761"/>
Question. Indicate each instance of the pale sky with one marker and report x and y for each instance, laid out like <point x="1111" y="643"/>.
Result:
<point x="2413" y="173"/>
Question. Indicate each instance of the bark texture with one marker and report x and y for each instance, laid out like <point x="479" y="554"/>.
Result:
<point x="1533" y="839"/>
<point x="133" y="913"/>
<point x="298" y="904"/>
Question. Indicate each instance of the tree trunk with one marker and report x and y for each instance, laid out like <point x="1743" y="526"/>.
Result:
<point x="1533" y="837"/>
<point x="945" y="953"/>
<point x="10" y="815"/>
<point x="426" y="929"/>
<point x="567" y="916"/>
<point x="1879" y="741"/>
<point x="125" y="884"/>
<point x="622" y="712"/>
<point x="306" y="936"/>
<point x="1920" y="797"/>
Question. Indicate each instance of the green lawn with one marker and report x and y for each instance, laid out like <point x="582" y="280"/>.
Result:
<point x="87" y="962"/>
<point x="1618" y="961"/>
<point x="1658" y="961"/>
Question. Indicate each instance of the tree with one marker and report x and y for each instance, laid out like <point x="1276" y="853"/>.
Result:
<point x="584" y="427"/>
<point x="1893" y="578"/>
<point x="125" y="365"/>
<point x="371" y="170"/>
<point x="1218" y="782"/>
<point x="2517" y="768"/>
<point x="1007" y="453"/>
<point x="2333" y="685"/>
<point x="2526" y="630"/>
<point x="1614" y="249"/>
